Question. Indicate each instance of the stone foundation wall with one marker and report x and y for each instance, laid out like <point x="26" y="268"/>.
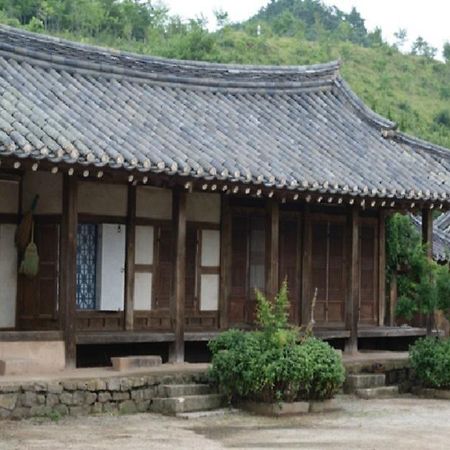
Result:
<point x="121" y="395"/>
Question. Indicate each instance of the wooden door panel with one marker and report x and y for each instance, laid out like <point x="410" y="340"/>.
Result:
<point x="289" y="264"/>
<point x="368" y="295"/>
<point x="328" y="270"/>
<point x="164" y="272"/>
<point x="38" y="296"/>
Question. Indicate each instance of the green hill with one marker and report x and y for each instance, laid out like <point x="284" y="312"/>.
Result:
<point x="413" y="90"/>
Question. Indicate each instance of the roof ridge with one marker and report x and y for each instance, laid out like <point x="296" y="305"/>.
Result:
<point x="58" y="51"/>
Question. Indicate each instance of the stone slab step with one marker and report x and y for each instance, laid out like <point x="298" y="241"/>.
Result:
<point x="364" y="381"/>
<point x="16" y="366"/>
<point x="121" y="363"/>
<point x="189" y="403"/>
<point x="378" y="392"/>
<point x="211" y="413"/>
<point x="181" y="390"/>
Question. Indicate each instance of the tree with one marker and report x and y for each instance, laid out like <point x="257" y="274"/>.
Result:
<point x="422" y="48"/>
<point x="401" y="36"/>
<point x="446" y="52"/>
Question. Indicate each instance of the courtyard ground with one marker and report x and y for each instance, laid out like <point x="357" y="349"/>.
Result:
<point x="401" y="423"/>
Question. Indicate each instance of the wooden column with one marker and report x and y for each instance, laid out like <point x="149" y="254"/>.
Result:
<point x="272" y="247"/>
<point x="130" y="259"/>
<point x="69" y="225"/>
<point x="225" y="262"/>
<point x="427" y="240"/>
<point x="307" y="293"/>
<point x="176" y="351"/>
<point x="381" y="268"/>
<point x="427" y="231"/>
<point x="352" y="306"/>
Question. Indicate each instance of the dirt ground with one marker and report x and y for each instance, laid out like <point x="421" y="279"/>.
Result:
<point x="402" y="423"/>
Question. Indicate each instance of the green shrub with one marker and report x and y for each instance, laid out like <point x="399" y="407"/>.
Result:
<point x="430" y="361"/>
<point x="328" y="372"/>
<point x="269" y="364"/>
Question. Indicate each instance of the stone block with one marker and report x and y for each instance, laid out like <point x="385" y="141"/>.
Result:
<point x="79" y="410"/>
<point x="8" y="401"/>
<point x="40" y="410"/>
<point x="20" y="413"/>
<point x="127" y="407"/>
<point x="96" y="385"/>
<point x="52" y="400"/>
<point x="84" y="398"/>
<point x="142" y="406"/>
<point x="113" y="384"/>
<point x="66" y="398"/>
<point x="132" y="362"/>
<point x="125" y="384"/>
<point x="70" y="385"/>
<point x="104" y="397"/>
<point x="63" y="410"/>
<point x="150" y="393"/>
<point x="9" y="387"/>
<point x="97" y="408"/>
<point x="138" y="382"/>
<point x="138" y="394"/>
<point x="120" y="396"/>
<point x="28" y="398"/>
<point x="54" y="388"/>
<point x="40" y="399"/>
<point x="110" y="407"/>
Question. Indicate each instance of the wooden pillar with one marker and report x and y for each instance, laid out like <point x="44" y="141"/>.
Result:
<point x="352" y="306"/>
<point x="272" y="247"/>
<point x="306" y="297"/>
<point x="427" y="231"/>
<point x="69" y="225"/>
<point x="427" y="240"/>
<point x="130" y="259"/>
<point x="225" y="262"/>
<point x="381" y="268"/>
<point x="176" y="351"/>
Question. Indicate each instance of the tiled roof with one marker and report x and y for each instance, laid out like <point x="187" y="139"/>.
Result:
<point x="286" y="127"/>
<point x="441" y="239"/>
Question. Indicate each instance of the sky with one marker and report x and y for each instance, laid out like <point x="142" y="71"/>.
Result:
<point x="429" y="19"/>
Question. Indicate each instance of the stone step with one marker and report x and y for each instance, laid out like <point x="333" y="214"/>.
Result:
<point x="121" y="363"/>
<point x="17" y="366"/>
<point x="377" y="392"/>
<point x="175" y="405"/>
<point x="364" y="381"/>
<point x="182" y="390"/>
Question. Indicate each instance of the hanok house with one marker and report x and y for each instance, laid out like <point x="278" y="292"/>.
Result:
<point x="169" y="190"/>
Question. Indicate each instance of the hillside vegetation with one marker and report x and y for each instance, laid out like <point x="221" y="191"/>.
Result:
<point x="412" y="89"/>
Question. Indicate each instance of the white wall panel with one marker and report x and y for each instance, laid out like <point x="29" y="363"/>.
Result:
<point x="209" y="292"/>
<point x="102" y="199"/>
<point x="154" y="203"/>
<point x="144" y="245"/>
<point x="210" y="248"/>
<point x="143" y="291"/>
<point x="8" y="276"/>
<point x="111" y="267"/>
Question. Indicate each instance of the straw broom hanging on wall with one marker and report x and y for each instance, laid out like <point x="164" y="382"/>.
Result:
<point x="25" y="243"/>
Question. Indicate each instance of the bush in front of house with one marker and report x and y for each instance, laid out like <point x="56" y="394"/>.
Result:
<point x="271" y="364"/>
<point x="430" y="361"/>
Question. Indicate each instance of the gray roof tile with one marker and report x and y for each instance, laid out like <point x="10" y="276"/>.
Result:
<point x="291" y="127"/>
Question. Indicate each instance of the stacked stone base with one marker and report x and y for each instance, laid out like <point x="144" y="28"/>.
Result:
<point x="115" y="395"/>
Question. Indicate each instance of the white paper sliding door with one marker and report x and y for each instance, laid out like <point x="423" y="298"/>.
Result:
<point x="143" y="281"/>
